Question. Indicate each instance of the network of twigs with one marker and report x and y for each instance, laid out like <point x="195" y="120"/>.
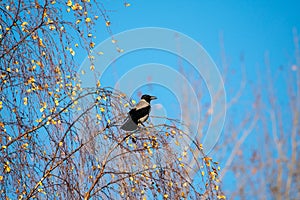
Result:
<point x="61" y="141"/>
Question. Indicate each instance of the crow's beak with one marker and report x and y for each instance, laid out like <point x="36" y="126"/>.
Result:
<point x="153" y="97"/>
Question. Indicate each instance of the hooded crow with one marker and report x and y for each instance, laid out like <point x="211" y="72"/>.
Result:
<point x="138" y="114"/>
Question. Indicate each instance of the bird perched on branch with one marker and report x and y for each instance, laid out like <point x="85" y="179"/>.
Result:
<point x="139" y="114"/>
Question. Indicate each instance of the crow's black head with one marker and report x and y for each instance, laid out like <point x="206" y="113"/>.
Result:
<point x="148" y="98"/>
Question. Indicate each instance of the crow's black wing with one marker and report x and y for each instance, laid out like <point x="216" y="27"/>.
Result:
<point x="139" y="113"/>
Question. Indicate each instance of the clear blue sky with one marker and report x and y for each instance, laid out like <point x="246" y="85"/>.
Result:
<point x="251" y="28"/>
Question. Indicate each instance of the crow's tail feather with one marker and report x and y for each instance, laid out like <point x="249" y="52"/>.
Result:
<point x="129" y="125"/>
